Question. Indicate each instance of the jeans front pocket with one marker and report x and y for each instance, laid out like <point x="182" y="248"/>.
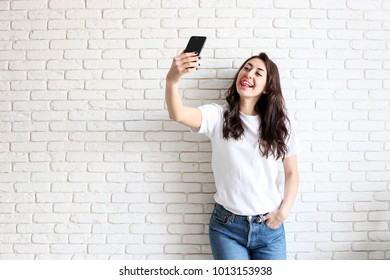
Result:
<point x="272" y="229"/>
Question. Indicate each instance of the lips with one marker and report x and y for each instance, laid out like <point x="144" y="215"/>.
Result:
<point x="246" y="84"/>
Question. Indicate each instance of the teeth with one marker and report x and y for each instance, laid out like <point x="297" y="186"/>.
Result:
<point x="247" y="84"/>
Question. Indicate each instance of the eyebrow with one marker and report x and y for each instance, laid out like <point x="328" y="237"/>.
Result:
<point x="251" y="65"/>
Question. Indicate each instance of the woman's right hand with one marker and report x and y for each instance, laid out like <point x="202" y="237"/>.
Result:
<point x="182" y="64"/>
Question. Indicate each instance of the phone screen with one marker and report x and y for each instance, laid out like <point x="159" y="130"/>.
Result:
<point x="195" y="44"/>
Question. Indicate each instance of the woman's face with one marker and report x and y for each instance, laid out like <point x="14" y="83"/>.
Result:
<point x="252" y="78"/>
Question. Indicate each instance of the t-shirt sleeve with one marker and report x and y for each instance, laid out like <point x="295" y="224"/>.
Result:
<point x="293" y="143"/>
<point x="212" y="115"/>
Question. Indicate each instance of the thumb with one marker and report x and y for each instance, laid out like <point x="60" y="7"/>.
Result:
<point x="265" y="217"/>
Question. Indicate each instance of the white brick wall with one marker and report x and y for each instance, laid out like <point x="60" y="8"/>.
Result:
<point x="92" y="168"/>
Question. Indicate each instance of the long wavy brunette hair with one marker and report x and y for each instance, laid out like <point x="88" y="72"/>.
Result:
<point x="274" y="122"/>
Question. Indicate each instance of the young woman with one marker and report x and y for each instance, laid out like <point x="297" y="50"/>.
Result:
<point x="248" y="135"/>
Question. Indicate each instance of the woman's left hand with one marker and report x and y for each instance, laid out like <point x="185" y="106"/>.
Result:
<point x="275" y="219"/>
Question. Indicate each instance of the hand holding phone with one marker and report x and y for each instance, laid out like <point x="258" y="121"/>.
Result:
<point x="181" y="65"/>
<point x="195" y="44"/>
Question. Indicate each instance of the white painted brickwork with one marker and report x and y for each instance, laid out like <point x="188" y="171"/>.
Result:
<point x="91" y="167"/>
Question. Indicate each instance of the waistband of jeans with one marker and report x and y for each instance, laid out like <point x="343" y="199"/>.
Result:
<point x="258" y="217"/>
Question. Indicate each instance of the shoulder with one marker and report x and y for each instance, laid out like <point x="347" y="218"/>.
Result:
<point x="212" y="118"/>
<point x="213" y="108"/>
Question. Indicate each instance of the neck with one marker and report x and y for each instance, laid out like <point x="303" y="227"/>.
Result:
<point x="247" y="106"/>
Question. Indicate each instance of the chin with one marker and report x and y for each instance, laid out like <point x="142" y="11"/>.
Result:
<point x="248" y="93"/>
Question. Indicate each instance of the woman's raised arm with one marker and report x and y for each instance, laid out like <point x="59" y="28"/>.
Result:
<point x="182" y="64"/>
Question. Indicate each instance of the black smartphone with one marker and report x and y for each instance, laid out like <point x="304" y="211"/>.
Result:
<point x="195" y="44"/>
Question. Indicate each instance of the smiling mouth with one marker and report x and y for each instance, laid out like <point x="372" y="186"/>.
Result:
<point x="246" y="84"/>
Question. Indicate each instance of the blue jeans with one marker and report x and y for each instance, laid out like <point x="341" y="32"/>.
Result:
<point x="235" y="237"/>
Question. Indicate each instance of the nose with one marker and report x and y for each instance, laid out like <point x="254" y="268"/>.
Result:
<point x="248" y="74"/>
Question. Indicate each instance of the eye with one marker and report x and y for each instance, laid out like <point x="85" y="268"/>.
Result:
<point x="258" y="74"/>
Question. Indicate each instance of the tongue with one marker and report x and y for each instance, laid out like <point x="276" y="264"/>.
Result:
<point x="246" y="85"/>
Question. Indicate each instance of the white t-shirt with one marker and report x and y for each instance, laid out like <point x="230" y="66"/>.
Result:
<point x="245" y="180"/>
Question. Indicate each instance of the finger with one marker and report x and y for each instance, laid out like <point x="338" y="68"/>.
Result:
<point x="189" y="55"/>
<point x="184" y="60"/>
<point x="266" y="216"/>
<point x="271" y="225"/>
<point x="187" y="63"/>
<point x="192" y="64"/>
<point x="187" y="67"/>
<point x="189" y="70"/>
